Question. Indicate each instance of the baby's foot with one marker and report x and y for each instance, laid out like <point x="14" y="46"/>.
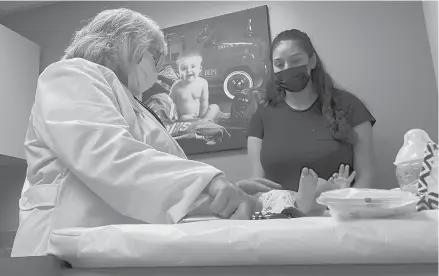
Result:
<point x="307" y="189"/>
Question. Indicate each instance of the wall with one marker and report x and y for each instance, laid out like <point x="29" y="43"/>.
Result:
<point x="377" y="50"/>
<point x="430" y="9"/>
<point x="19" y="66"/>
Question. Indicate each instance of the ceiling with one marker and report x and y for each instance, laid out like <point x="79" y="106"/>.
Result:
<point x="11" y="7"/>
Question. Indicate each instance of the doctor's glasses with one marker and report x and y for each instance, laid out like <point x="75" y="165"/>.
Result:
<point x="158" y="57"/>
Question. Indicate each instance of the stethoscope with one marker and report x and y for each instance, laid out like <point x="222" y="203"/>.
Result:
<point x="157" y="61"/>
<point x="150" y="111"/>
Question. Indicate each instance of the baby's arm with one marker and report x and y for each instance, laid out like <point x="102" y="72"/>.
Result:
<point x="173" y="95"/>
<point x="175" y="90"/>
<point x="204" y="100"/>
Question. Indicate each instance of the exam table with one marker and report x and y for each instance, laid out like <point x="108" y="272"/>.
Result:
<point x="305" y="246"/>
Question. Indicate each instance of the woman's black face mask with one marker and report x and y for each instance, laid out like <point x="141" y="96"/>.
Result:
<point x="293" y="79"/>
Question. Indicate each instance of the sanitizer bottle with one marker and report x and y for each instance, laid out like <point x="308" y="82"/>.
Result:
<point x="409" y="160"/>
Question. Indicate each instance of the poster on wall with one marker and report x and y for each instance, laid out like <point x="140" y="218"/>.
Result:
<point x="207" y="88"/>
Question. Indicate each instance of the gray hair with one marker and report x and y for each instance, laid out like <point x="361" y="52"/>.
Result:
<point x="101" y="40"/>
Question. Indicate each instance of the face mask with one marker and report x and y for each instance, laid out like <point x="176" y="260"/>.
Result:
<point x="293" y="79"/>
<point x="143" y="76"/>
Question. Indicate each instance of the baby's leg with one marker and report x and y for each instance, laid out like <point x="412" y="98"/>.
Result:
<point x="334" y="183"/>
<point x="323" y="186"/>
<point x="187" y="118"/>
<point x="212" y="112"/>
<point x="307" y="189"/>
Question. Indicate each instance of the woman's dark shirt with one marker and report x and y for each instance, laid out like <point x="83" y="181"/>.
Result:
<point x="292" y="139"/>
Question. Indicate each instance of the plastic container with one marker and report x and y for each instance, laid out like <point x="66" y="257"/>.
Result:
<point x="409" y="159"/>
<point x="408" y="175"/>
<point x="353" y="203"/>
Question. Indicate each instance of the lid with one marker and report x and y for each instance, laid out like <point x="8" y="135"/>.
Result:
<point x="198" y="218"/>
<point x="415" y="142"/>
<point x="355" y="195"/>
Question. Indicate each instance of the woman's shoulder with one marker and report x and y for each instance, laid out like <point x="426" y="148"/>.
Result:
<point x="267" y="106"/>
<point x="346" y="99"/>
<point x="80" y="74"/>
<point x="345" y="95"/>
<point x="354" y="107"/>
<point x="75" y="65"/>
<point x="263" y="108"/>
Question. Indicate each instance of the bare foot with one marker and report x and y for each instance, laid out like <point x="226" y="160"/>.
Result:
<point x="307" y="189"/>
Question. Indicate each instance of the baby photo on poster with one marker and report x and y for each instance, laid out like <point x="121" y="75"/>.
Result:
<point x="208" y="87"/>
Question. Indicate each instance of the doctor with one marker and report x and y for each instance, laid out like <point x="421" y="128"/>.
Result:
<point x="96" y="156"/>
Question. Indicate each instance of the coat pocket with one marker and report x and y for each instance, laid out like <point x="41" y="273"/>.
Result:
<point x="36" y="214"/>
<point x="39" y="196"/>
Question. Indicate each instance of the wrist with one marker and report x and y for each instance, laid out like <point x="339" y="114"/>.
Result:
<point x="259" y="206"/>
<point x="216" y="184"/>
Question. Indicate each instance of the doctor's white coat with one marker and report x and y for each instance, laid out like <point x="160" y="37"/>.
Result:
<point x="97" y="157"/>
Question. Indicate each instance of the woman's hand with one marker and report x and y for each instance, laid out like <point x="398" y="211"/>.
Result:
<point x="253" y="186"/>
<point x="229" y="201"/>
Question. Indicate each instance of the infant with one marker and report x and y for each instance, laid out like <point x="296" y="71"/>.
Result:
<point x="310" y="188"/>
<point x="191" y="92"/>
<point x="275" y="201"/>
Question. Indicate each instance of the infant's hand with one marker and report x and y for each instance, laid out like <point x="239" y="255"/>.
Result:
<point x="343" y="179"/>
<point x="340" y="180"/>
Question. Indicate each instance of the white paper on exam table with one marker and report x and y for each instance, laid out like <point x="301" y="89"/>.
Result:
<point x="311" y="240"/>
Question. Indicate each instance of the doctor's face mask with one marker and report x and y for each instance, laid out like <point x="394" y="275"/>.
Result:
<point x="144" y="75"/>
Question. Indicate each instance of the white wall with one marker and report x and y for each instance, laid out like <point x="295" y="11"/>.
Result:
<point x="378" y="50"/>
<point x="430" y="9"/>
<point x="19" y="67"/>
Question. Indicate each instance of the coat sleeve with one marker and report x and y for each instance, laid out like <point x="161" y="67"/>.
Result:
<point x="76" y="115"/>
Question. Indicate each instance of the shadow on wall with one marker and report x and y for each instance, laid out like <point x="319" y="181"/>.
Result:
<point x="11" y="182"/>
<point x="6" y="243"/>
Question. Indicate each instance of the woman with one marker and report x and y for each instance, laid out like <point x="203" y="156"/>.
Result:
<point x="307" y="121"/>
<point x="96" y="156"/>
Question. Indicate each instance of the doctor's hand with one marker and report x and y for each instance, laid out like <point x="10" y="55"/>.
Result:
<point x="254" y="186"/>
<point x="229" y="201"/>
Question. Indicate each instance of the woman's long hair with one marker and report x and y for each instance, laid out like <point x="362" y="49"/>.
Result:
<point x="329" y="103"/>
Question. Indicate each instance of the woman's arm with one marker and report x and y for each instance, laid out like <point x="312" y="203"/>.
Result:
<point x="76" y="115"/>
<point x="362" y="121"/>
<point x="254" y="142"/>
<point x="364" y="156"/>
<point x="254" y="153"/>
